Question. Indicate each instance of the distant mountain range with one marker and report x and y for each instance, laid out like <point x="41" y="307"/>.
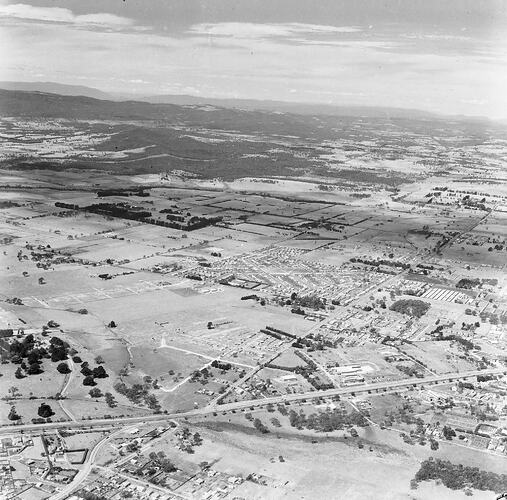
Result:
<point x="57" y="88"/>
<point x="211" y="141"/>
<point x="243" y="104"/>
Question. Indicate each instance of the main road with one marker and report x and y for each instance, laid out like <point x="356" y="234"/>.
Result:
<point x="81" y="476"/>
<point x="375" y="388"/>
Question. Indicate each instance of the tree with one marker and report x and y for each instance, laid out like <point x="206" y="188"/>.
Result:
<point x="282" y="409"/>
<point x="95" y="392"/>
<point x="99" y="360"/>
<point x="19" y="373"/>
<point x="33" y="357"/>
<point x="13" y="414"/>
<point x="448" y="432"/>
<point x="275" y="422"/>
<point x="133" y="446"/>
<point x="86" y="371"/>
<point x="45" y="411"/>
<point x="58" y="349"/>
<point x="197" y="440"/>
<point x="16" y="359"/>
<point x="34" y="369"/>
<point x="76" y="359"/>
<point x="58" y="353"/>
<point x="152" y="402"/>
<point x="88" y="380"/>
<point x="111" y="402"/>
<point x="260" y="426"/>
<point x="63" y="368"/>
<point x="99" y="372"/>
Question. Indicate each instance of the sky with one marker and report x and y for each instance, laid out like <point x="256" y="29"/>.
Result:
<point x="443" y="56"/>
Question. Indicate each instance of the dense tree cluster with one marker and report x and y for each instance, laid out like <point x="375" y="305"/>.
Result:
<point x="88" y="495"/>
<point x="311" y="301"/>
<point x="120" y="210"/>
<point x="160" y="461"/>
<point x="30" y="358"/>
<point x="411" y="307"/>
<point x="468" y="283"/>
<point x="201" y="375"/>
<point x="137" y="394"/>
<point x="58" y="349"/>
<point x="26" y="349"/>
<point x="458" y="476"/>
<point x="400" y="414"/>
<point x="410" y="371"/>
<point x="91" y="374"/>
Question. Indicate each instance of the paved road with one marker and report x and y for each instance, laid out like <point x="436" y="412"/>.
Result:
<point x="258" y="403"/>
<point x="360" y="389"/>
<point x="165" y="345"/>
<point x="81" y="476"/>
<point x="67" y="412"/>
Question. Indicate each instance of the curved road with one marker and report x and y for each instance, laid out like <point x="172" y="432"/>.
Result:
<point x="81" y="476"/>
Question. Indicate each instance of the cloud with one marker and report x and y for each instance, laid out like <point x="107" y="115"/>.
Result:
<point x="281" y="61"/>
<point x="59" y="15"/>
<point x="436" y="36"/>
<point x="266" y="31"/>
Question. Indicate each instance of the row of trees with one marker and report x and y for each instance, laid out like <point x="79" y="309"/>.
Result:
<point x="380" y="262"/>
<point x="326" y="421"/>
